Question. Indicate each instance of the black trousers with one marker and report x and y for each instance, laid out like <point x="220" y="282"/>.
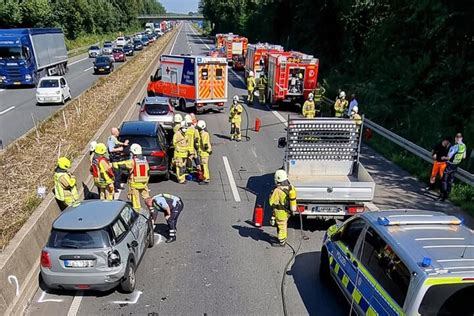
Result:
<point x="448" y="179"/>
<point x="173" y="220"/>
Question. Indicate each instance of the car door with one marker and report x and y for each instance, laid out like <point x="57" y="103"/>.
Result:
<point x="65" y="88"/>
<point x="139" y="231"/>
<point x="343" y="261"/>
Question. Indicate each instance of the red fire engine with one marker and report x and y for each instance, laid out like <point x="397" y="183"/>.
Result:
<point x="236" y="49"/>
<point x="291" y="76"/>
<point x="256" y="59"/>
<point x="220" y="39"/>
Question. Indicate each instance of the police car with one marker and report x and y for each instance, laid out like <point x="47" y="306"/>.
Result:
<point x="402" y="262"/>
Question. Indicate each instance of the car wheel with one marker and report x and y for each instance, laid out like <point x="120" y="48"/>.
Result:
<point x="151" y="235"/>
<point x="324" y="266"/>
<point x="128" y="283"/>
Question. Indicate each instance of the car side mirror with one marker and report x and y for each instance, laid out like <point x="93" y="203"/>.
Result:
<point x="152" y="78"/>
<point x="282" y="142"/>
<point x="139" y="104"/>
<point x="134" y="244"/>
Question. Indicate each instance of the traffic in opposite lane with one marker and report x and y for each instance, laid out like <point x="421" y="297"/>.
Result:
<point x="219" y="255"/>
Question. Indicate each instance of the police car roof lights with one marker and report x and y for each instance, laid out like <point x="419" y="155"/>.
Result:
<point x="419" y="220"/>
<point x="426" y="262"/>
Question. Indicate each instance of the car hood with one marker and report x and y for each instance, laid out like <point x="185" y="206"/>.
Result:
<point x="47" y="91"/>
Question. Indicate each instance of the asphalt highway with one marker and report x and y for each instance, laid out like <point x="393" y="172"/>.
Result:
<point x="18" y="108"/>
<point x="221" y="264"/>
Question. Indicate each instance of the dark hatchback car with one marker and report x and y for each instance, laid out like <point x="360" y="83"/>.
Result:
<point x="137" y="44"/>
<point x="103" y="65"/>
<point x="145" y="40"/>
<point x="128" y="49"/>
<point x="152" y="137"/>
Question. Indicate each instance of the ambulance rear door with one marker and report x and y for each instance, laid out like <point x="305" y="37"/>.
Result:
<point x="212" y="81"/>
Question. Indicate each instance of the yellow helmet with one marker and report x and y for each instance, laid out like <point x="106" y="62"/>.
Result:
<point x="64" y="163"/>
<point x="100" y="149"/>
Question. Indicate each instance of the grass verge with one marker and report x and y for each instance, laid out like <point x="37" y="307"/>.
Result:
<point x="29" y="162"/>
<point x="461" y="195"/>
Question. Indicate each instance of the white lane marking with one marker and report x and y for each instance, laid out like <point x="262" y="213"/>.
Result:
<point x="9" y="109"/>
<point x="175" y="39"/>
<point x="233" y="186"/>
<point x="207" y="46"/>
<point x="76" y="302"/>
<point x="88" y="68"/>
<point x="11" y="279"/>
<point x="2" y="90"/>
<point x="78" y="61"/>
<point x="136" y="296"/>
<point x="42" y="300"/>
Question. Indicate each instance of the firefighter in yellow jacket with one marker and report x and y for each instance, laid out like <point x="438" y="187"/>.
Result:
<point x="177" y="122"/>
<point x="283" y="202"/>
<point x="251" y="83"/>
<point x="235" y="119"/>
<point x="205" y="150"/>
<point x="262" y="88"/>
<point x="103" y="173"/>
<point x="180" y="145"/>
<point x="192" y="138"/>
<point x="341" y="104"/>
<point x="309" y="109"/>
<point x="65" y="189"/>
<point x="139" y="177"/>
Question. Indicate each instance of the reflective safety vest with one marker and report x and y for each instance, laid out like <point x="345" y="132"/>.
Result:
<point x="205" y="144"/>
<point x="65" y="188"/>
<point x="357" y="118"/>
<point x="340" y="107"/>
<point x="101" y="171"/>
<point x="460" y="155"/>
<point x="235" y="113"/>
<point x="140" y="173"/>
<point x="192" y="138"/>
<point x="251" y="83"/>
<point x="180" y="145"/>
<point x="262" y="83"/>
<point x="309" y="109"/>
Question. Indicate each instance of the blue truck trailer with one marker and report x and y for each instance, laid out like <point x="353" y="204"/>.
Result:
<point x="26" y="55"/>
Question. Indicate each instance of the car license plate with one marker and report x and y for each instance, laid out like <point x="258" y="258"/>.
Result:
<point x="101" y="69"/>
<point x="325" y="209"/>
<point x="17" y="82"/>
<point x="78" y="263"/>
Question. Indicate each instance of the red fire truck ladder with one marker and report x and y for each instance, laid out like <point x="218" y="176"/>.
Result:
<point x="281" y="78"/>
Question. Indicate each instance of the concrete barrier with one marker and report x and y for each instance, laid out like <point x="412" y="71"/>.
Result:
<point x="19" y="262"/>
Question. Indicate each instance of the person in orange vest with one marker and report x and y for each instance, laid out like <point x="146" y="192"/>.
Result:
<point x="139" y="177"/>
<point x="103" y="173"/>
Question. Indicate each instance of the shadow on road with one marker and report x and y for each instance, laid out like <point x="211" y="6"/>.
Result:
<point x="253" y="232"/>
<point x="318" y="297"/>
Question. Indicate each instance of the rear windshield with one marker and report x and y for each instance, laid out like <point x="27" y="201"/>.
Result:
<point x="94" y="48"/>
<point x="117" y="50"/>
<point x="146" y="142"/>
<point x="49" y="83"/>
<point x="137" y="41"/>
<point x="448" y="299"/>
<point x="157" y="109"/>
<point x="79" y="239"/>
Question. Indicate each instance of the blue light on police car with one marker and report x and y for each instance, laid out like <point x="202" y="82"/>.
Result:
<point x="383" y="221"/>
<point x="426" y="262"/>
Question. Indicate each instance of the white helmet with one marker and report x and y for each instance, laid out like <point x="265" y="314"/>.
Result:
<point x="178" y="118"/>
<point x="310" y="95"/>
<point x="92" y="146"/>
<point x="235" y="98"/>
<point x="355" y="109"/>
<point x="183" y="126"/>
<point x="251" y="73"/>
<point x="342" y="94"/>
<point x="136" y="149"/>
<point x="188" y="119"/>
<point x="280" y="176"/>
<point x="201" y="124"/>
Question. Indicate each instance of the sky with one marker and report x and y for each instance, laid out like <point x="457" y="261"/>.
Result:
<point x="180" y="6"/>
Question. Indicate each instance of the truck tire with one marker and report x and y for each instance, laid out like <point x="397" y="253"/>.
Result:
<point x="129" y="279"/>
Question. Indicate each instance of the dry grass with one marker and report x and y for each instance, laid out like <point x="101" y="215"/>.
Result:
<point x="30" y="161"/>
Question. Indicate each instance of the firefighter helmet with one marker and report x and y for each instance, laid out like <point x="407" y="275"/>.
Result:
<point x="100" y="149"/>
<point x="201" y="124"/>
<point x="251" y="74"/>
<point x="355" y="109"/>
<point x="188" y="119"/>
<point x="280" y="176"/>
<point x="64" y="163"/>
<point x="235" y="98"/>
<point x="183" y="126"/>
<point x="342" y="94"/>
<point x="92" y="146"/>
<point x="178" y="118"/>
<point x="136" y="149"/>
<point x="310" y="96"/>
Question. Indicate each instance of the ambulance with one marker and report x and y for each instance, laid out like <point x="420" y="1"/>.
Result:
<point x="256" y="59"/>
<point x="191" y="81"/>
<point x="236" y="49"/>
<point x="291" y="76"/>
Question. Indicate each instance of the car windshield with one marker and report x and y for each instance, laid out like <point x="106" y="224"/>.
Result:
<point x="80" y="239"/>
<point x="94" y="48"/>
<point x="147" y="142"/>
<point x="117" y="50"/>
<point x="102" y="59"/>
<point x="448" y="299"/>
<point x="13" y="52"/>
<point x="49" y="83"/>
<point x="137" y="41"/>
<point x="107" y="45"/>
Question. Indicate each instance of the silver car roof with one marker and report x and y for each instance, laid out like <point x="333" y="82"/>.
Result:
<point x="415" y="234"/>
<point x="89" y="215"/>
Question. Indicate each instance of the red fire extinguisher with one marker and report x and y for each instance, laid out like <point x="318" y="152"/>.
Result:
<point x="258" y="123"/>
<point x="258" y="216"/>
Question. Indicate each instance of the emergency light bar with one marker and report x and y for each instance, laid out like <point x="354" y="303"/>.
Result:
<point x="419" y="220"/>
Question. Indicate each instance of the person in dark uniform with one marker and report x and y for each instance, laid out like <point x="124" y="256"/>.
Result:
<point x="171" y="206"/>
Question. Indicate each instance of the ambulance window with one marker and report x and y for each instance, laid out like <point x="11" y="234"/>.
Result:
<point x="219" y="73"/>
<point x="385" y="266"/>
<point x="204" y="74"/>
<point x="350" y="233"/>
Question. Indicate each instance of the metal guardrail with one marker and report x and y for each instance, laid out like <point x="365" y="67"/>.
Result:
<point x="72" y="51"/>
<point x="419" y="151"/>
